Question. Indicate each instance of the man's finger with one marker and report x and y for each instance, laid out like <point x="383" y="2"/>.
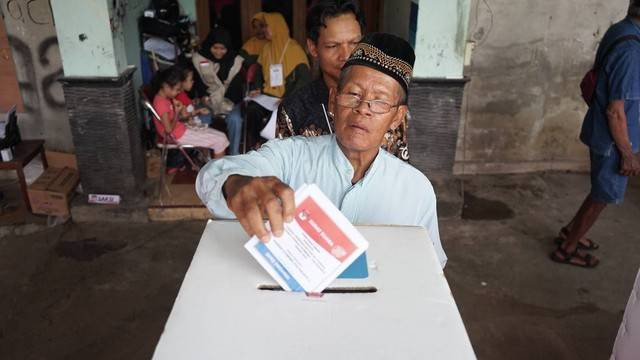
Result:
<point x="272" y="208"/>
<point x="245" y="224"/>
<point x="256" y="223"/>
<point x="287" y="200"/>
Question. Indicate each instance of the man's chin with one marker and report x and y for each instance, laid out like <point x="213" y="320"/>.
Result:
<point x="352" y="145"/>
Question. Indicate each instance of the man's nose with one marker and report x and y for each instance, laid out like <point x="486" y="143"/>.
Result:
<point x="363" y="109"/>
<point x="345" y="52"/>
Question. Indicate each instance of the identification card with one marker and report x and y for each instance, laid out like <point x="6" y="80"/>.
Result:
<point x="276" y="77"/>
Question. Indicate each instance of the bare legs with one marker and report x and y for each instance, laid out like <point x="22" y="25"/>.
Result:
<point x="579" y="226"/>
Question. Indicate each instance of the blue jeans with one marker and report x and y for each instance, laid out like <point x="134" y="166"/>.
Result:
<point x="607" y="185"/>
<point x="234" y="129"/>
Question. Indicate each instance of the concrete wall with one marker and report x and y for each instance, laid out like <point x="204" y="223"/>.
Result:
<point x="396" y="18"/>
<point x="441" y="38"/>
<point x="189" y="8"/>
<point x="34" y="44"/>
<point x="88" y="45"/>
<point x="523" y="109"/>
<point x="135" y="9"/>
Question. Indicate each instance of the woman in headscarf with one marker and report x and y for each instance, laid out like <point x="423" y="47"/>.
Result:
<point x="284" y="67"/>
<point x="219" y="80"/>
<point x="252" y="47"/>
<point x="282" y="51"/>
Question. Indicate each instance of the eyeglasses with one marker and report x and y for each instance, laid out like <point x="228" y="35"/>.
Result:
<point x="353" y="101"/>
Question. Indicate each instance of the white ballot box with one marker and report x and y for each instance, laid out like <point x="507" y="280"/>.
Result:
<point x="227" y="308"/>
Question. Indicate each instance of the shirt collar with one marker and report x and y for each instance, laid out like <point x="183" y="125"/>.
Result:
<point x="344" y="166"/>
<point x="634" y="22"/>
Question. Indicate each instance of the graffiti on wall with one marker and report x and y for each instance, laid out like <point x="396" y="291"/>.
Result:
<point x="29" y="11"/>
<point x="29" y="54"/>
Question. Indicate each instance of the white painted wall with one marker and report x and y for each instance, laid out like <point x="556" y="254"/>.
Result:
<point x="85" y="38"/>
<point x="441" y="38"/>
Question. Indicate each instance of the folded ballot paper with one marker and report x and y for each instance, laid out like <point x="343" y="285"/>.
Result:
<point x="314" y="249"/>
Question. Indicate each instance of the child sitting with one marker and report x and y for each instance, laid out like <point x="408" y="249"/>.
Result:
<point x="192" y="109"/>
<point x="168" y="84"/>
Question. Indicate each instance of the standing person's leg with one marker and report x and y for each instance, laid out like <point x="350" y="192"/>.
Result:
<point x="607" y="187"/>
<point x="234" y="129"/>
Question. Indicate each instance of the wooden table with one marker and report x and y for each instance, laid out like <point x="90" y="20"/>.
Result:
<point x="23" y="153"/>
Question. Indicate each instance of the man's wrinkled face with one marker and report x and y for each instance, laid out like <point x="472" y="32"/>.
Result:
<point x="360" y="128"/>
<point x="335" y="43"/>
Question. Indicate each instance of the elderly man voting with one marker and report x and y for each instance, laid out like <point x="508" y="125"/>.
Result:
<point x="369" y="185"/>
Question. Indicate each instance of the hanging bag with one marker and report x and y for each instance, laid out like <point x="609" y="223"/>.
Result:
<point x="590" y="79"/>
<point x="12" y="132"/>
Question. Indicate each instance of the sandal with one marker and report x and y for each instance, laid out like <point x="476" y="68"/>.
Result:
<point x="583" y="260"/>
<point x="587" y="244"/>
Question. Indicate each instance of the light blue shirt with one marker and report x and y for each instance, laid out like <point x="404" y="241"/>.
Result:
<point x="391" y="192"/>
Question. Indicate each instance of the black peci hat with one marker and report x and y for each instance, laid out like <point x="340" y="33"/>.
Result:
<point x="386" y="53"/>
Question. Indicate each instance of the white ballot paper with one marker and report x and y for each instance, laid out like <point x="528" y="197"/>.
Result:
<point x="315" y="248"/>
<point x="270" y="103"/>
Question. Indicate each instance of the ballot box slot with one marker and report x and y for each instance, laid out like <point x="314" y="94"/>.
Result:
<point x="330" y="290"/>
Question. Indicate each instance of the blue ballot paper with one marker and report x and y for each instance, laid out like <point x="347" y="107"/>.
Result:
<point x="357" y="270"/>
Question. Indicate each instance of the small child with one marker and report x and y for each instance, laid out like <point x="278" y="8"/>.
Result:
<point x="191" y="109"/>
<point x="168" y="84"/>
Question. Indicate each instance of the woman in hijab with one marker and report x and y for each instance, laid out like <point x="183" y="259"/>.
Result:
<point x="252" y="48"/>
<point x="219" y="80"/>
<point x="284" y="67"/>
<point x="281" y="51"/>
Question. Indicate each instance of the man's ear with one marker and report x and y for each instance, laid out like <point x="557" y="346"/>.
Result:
<point x="332" y="100"/>
<point x="312" y="47"/>
<point x="398" y="119"/>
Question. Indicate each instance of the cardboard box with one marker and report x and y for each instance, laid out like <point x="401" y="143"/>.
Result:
<point x="229" y="308"/>
<point x="61" y="160"/>
<point x="51" y="192"/>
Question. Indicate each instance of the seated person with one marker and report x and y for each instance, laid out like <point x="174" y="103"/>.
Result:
<point x="281" y="57"/>
<point x="219" y="80"/>
<point x="365" y="182"/>
<point x="252" y="47"/>
<point x="334" y="27"/>
<point x="167" y="85"/>
<point x="192" y="109"/>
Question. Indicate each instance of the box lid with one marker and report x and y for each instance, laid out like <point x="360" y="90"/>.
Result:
<point x="65" y="182"/>
<point x="62" y="180"/>
<point x="45" y="179"/>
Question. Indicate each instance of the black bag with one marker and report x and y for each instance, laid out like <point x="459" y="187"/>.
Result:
<point x="168" y="10"/>
<point x="11" y="132"/>
<point x="158" y="27"/>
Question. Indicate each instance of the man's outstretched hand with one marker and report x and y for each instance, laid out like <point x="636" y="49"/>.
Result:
<point x="252" y="199"/>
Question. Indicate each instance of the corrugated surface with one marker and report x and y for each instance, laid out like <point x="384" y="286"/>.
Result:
<point x="433" y="128"/>
<point x="106" y="134"/>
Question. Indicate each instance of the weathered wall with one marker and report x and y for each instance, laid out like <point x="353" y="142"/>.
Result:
<point x="441" y="38"/>
<point x="523" y="108"/>
<point x="34" y="44"/>
<point x="395" y="19"/>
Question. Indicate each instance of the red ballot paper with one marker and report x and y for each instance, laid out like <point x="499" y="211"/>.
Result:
<point x="314" y="249"/>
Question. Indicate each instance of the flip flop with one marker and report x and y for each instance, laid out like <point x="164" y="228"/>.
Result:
<point x="562" y="236"/>
<point x="586" y="260"/>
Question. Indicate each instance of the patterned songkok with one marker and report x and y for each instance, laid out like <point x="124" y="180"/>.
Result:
<point x="386" y="53"/>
